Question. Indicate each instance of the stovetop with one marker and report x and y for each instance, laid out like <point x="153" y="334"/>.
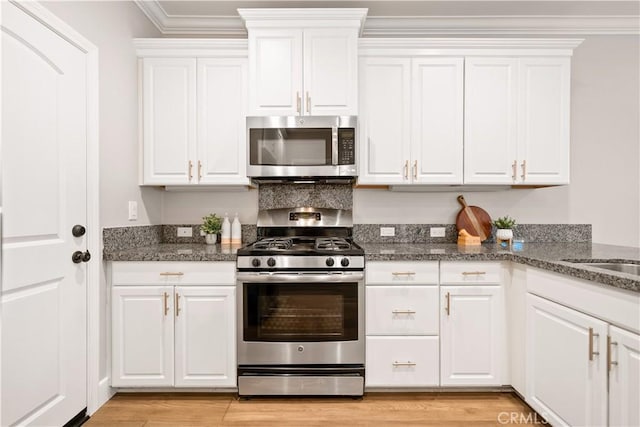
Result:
<point x="297" y="246"/>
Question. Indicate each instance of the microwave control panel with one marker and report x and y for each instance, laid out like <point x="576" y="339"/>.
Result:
<point x="346" y="146"/>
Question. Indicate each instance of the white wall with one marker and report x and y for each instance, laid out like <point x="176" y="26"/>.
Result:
<point x="111" y="26"/>
<point x="605" y="159"/>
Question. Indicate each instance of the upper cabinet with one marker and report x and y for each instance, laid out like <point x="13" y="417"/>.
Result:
<point x="517" y="120"/>
<point x="303" y="62"/>
<point x="464" y="111"/>
<point x="193" y="108"/>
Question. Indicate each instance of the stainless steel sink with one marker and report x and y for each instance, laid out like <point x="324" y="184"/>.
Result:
<point x="617" y="266"/>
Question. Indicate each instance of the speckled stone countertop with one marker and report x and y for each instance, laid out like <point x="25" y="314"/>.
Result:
<point x="548" y="256"/>
<point x="173" y="252"/>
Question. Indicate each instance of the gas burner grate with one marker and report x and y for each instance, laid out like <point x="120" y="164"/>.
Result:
<point x="332" y="244"/>
<point x="273" y="243"/>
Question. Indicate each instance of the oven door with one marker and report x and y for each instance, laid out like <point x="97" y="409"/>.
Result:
<point x="300" y="319"/>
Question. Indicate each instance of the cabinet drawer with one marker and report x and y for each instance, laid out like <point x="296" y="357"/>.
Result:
<point x="402" y="362"/>
<point x="391" y="272"/>
<point x="462" y="272"/>
<point x="173" y="273"/>
<point x="402" y="310"/>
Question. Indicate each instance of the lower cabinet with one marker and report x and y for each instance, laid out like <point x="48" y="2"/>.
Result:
<point x="399" y="361"/>
<point x="472" y="324"/>
<point x="566" y="369"/>
<point x="171" y="330"/>
<point x="471" y="350"/>
<point x="624" y="377"/>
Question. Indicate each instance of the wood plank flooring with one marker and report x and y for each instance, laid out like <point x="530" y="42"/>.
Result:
<point x="375" y="409"/>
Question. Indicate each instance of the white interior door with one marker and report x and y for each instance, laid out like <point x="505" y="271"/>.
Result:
<point x="44" y="134"/>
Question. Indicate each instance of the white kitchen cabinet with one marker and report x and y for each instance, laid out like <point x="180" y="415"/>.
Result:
<point x="142" y="330"/>
<point x="205" y="336"/>
<point x="303" y="62"/>
<point x="566" y="364"/>
<point x="221" y="138"/>
<point x="402" y="324"/>
<point x="411" y="120"/>
<point x="471" y="335"/>
<point x="517" y="120"/>
<point x="193" y="109"/>
<point x="624" y="377"/>
<point x="173" y="324"/>
<point x="169" y="120"/>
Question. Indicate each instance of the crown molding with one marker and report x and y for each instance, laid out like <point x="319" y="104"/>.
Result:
<point x="188" y="47"/>
<point x="407" y="26"/>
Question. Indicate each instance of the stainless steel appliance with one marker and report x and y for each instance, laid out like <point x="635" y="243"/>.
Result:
<point x="301" y="306"/>
<point x="299" y="147"/>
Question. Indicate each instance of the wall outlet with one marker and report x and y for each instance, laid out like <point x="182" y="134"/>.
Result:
<point x="437" y="231"/>
<point x="387" y="231"/>
<point x="185" y="232"/>
<point x="133" y="210"/>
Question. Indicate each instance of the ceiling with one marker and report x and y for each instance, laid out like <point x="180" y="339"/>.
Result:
<point x="413" y="17"/>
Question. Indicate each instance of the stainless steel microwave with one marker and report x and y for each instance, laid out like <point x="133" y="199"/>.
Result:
<point x="317" y="147"/>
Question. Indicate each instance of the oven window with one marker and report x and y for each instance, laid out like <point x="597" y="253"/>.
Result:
<point x="278" y="312"/>
<point x="290" y="147"/>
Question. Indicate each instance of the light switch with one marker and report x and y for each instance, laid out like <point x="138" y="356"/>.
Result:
<point x="387" y="231"/>
<point x="437" y="231"/>
<point x="133" y="210"/>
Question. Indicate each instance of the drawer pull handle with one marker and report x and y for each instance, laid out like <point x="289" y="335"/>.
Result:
<point x="404" y="273"/>
<point x="610" y="361"/>
<point x="591" y="352"/>
<point x="473" y="273"/>
<point x="171" y="273"/>
<point x="447" y="308"/>
<point x="403" y="312"/>
<point x="407" y="363"/>
<point x="166" y="303"/>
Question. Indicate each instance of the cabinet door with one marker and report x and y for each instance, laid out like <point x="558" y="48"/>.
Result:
<point x="142" y="336"/>
<point x="402" y="310"/>
<point x="330" y="71"/>
<point x="490" y="130"/>
<point x="205" y="336"/>
<point x="384" y="120"/>
<point x="471" y="330"/>
<point x="169" y="120"/>
<point x="275" y="72"/>
<point x="624" y="378"/>
<point x="222" y="84"/>
<point x="543" y="121"/>
<point x="437" y="113"/>
<point x="402" y="361"/>
<point x="566" y="366"/>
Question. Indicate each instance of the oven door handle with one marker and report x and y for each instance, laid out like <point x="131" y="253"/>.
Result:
<point x="299" y="278"/>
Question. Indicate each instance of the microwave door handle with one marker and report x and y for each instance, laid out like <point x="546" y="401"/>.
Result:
<point x="334" y="146"/>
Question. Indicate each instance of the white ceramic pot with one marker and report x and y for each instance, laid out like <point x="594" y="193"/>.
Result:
<point x="504" y="234"/>
<point x="211" y="239"/>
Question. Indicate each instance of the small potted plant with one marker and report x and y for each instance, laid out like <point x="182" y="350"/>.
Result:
<point x="211" y="226"/>
<point x="504" y="230"/>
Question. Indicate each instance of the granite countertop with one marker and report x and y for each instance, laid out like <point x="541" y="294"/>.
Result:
<point x="548" y="256"/>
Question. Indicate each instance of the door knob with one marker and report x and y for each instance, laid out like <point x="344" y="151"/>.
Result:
<point x="78" y="256"/>
<point x="78" y="230"/>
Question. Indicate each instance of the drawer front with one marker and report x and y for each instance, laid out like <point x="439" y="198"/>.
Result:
<point x="462" y="272"/>
<point x="402" y="310"/>
<point x="392" y="272"/>
<point x="402" y="362"/>
<point x="173" y="273"/>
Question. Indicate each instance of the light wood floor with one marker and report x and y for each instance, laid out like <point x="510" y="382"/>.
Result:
<point x="376" y="409"/>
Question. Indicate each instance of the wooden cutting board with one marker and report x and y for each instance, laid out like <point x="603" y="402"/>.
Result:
<point x="475" y="220"/>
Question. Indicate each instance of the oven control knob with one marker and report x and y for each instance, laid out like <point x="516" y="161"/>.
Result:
<point x="300" y="348"/>
<point x="344" y="262"/>
<point x="271" y="262"/>
<point x="255" y="262"/>
<point x="330" y="262"/>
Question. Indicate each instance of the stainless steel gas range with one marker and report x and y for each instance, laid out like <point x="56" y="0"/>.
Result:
<point x="301" y="306"/>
